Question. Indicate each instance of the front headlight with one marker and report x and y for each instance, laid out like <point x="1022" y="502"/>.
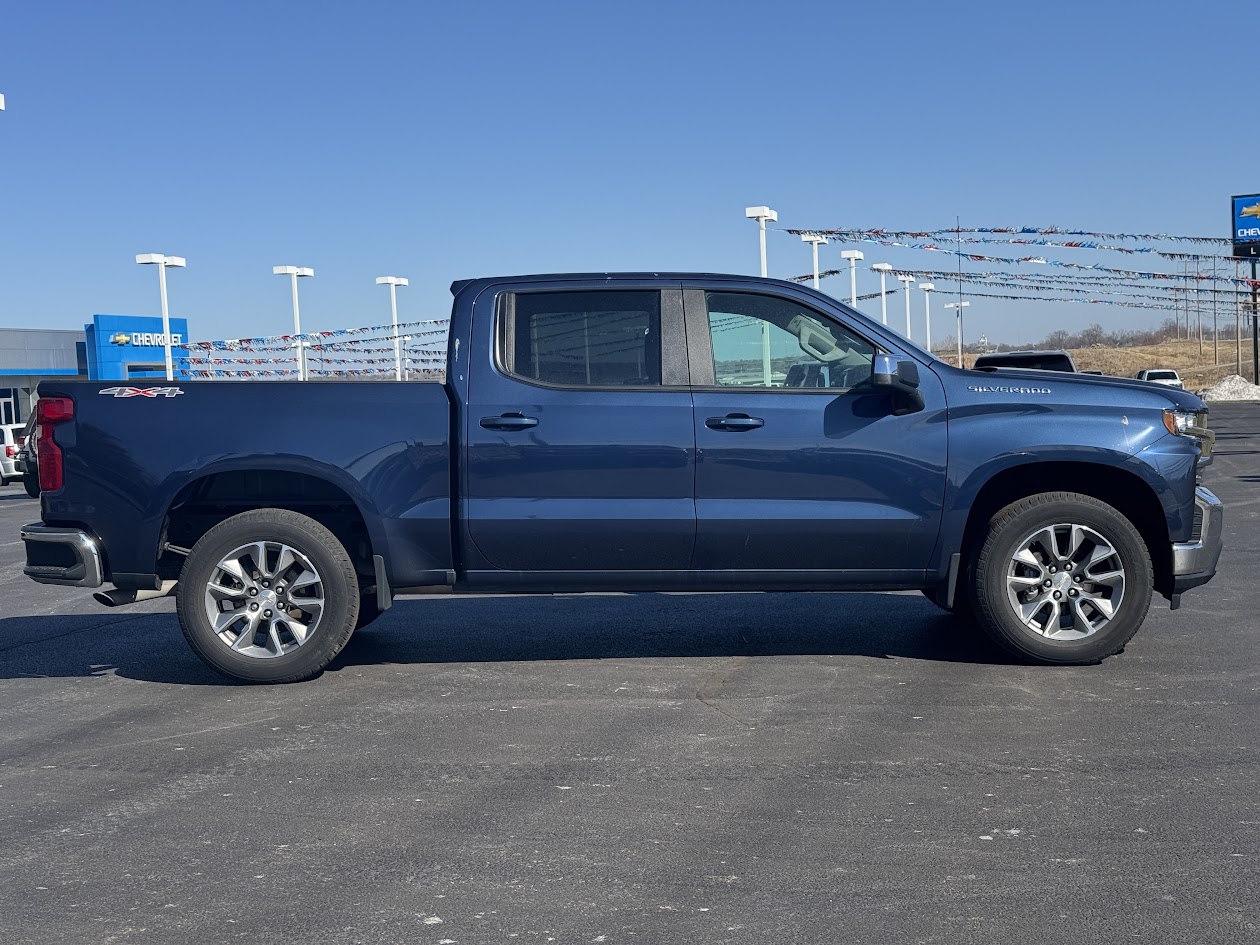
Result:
<point x="1191" y="423"/>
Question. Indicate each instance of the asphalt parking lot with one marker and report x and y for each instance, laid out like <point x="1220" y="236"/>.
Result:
<point x="653" y="768"/>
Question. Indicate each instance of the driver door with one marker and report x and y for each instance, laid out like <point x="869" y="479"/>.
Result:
<point x="800" y="464"/>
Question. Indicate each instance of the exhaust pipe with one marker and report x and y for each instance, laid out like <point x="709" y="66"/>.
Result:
<point x="117" y="598"/>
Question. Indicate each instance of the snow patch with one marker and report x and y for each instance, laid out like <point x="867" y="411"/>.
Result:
<point x="1232" y="387"/>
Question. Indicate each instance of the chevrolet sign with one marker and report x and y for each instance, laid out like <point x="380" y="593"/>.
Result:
<point x="1245" y="225"/>
<point x="145" y="339"/>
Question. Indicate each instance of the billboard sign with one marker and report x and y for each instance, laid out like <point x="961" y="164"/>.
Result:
<point x="1245" y="225"/>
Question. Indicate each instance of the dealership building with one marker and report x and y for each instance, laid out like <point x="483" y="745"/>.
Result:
<point x="109" y="348"/>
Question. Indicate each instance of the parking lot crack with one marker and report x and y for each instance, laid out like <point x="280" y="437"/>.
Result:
<point x="712" y="687"/>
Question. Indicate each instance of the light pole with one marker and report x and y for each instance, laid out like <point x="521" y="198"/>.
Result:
<point x="394" y="282"/>
<point x="761" y="215"/>
<point x="294" y="273"/>
<point x="927" y="288"/>
<point x="958" y="313"/>
<point x="163" y="263"/>
<point x="853" y="256"/>
<point x="815" y="241"/>
<point x="883" y="269"/>
<point x="907" y="281"/>
<point x="407" y="348"/>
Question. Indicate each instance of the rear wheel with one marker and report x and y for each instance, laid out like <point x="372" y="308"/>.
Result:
<point x="1062" y="578"/>
<point x="268" y="596"/>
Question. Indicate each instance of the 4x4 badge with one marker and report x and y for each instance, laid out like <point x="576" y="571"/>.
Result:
<point x="141" y="391"/>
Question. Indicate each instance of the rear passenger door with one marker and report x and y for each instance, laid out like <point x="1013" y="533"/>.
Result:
<point x="578" y="429"/>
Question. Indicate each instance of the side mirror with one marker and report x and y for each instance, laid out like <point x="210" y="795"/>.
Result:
<point x="900" y="377"/>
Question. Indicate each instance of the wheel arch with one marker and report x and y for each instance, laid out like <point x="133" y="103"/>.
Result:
<point x="204" y="501"/>
<point x="1125" y="491"/>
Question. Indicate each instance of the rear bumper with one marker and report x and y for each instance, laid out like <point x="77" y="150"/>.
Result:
<point x="1194" y="561"/>
<point x="66" y="556"/>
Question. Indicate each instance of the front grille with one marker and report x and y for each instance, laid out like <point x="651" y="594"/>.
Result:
<point x="1196" y="530"/>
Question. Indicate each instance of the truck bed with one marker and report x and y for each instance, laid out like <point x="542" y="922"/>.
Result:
<point x="138" y="448"/>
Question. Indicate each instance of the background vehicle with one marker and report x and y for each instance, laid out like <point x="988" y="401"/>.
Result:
<point x="636" y="432"/>
<point x="1032" y="360"/>
<point x="10" y="442"/>
<point x="26" y="462"/>
<point x="1161" y="376"/>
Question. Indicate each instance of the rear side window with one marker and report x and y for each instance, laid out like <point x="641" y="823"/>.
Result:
<point x="583" y="339"/>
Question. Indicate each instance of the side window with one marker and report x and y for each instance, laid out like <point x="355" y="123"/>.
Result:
<point x="583" y="339"/>
<point x="765" y="341"/>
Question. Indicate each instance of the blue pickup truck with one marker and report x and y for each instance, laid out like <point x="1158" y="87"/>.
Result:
<point x="631" y="432"/>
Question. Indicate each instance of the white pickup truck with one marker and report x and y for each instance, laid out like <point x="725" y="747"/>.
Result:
<point x="1168" y="378"/>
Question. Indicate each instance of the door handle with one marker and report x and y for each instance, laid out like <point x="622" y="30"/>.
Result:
<point x="734" y="422"/>
<point x="509" y="421"/>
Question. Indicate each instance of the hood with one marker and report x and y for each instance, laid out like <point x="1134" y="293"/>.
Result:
<point x="1062" y="380"/>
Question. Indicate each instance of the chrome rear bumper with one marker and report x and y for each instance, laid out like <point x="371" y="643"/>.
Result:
<point x="66" y="556"/>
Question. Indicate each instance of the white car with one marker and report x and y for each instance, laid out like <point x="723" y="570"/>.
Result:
<point x="1161" y="376"/>
<point x="10" y="443"/>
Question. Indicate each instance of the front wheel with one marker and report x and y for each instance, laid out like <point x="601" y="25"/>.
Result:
<point x="1062" y="578"/>
<point x="268" y="596"/>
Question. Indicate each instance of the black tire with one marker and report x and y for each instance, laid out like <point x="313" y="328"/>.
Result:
<point x="340" y="594"/>
<point x="31" y="486"/>
<point x="1009" y="528"/>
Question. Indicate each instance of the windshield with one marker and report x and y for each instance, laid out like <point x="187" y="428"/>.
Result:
<point x="1161" y="375"/>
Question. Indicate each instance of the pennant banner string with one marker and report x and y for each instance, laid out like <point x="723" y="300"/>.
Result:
<point x="953" y="233"/>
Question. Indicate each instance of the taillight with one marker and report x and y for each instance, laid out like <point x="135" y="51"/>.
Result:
<point x="10" y="451"/>
<point x="49" y="412"/>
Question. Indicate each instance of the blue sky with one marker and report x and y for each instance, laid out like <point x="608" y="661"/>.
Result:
<point x="448" y="141"/>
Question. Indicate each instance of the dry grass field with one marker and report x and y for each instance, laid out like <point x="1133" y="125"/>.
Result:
<point x="1196" y="370"/>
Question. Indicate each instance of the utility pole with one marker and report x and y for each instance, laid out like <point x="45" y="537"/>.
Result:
<point x="1255" y="327"/>
<point x="1237" y="318"/>
<point x="1216" y="331"/>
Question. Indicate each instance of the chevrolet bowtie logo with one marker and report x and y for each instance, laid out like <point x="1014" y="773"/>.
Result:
<point x="122" y="338"/>
<point x="1252" y="211"/>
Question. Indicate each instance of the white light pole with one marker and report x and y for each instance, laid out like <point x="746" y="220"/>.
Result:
<point x="761" y="215"/>
<point x="294" y="273"/>
<point x="1" y="101"/>
<point x="854" y="256"/>
<point x="927" y="288"/>
<point x="407" y="349"/>
<point x="883" y="269"/>
<point x="907" y="281"/>
<point x="394" y="282"/>
<point x="815" y="241"/>
<point x="163" y="263"/>
<point x="958" y="312"/>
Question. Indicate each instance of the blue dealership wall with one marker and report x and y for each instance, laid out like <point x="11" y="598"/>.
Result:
<point x="122" y="346"/>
